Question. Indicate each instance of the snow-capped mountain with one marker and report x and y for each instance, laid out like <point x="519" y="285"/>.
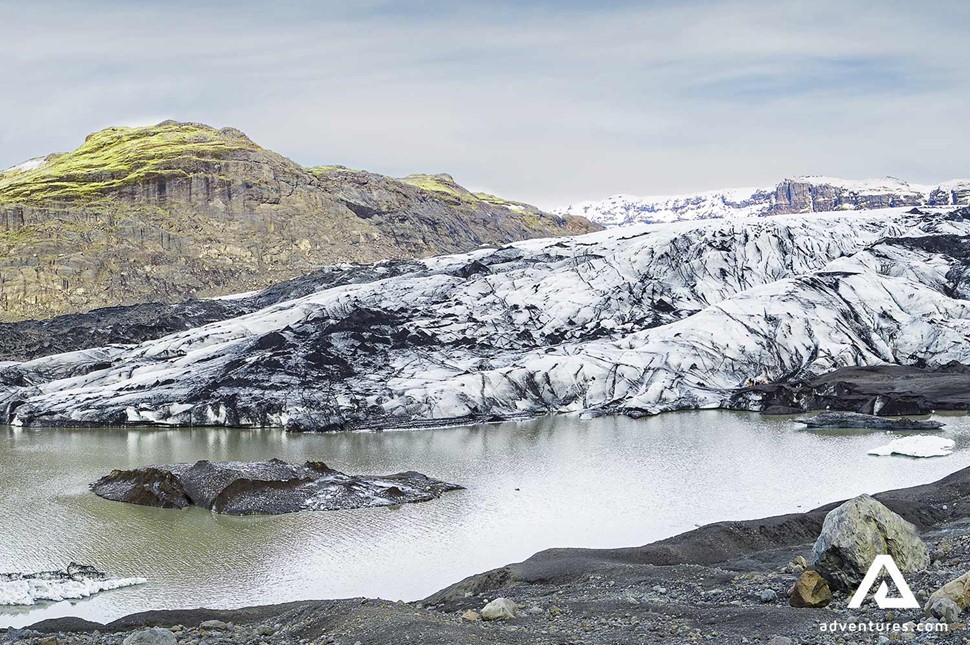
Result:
<point x="799" y="195"/>
<point x="634" y="320"/>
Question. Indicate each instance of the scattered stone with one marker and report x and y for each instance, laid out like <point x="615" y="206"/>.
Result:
<point x="471" y="615"/>
<point x="810" y="591"/>
<point x="944" y="609"/>
<point x="768" y="595"/>
<point x="779" y="640"/>
<point x="214" y="626"/>
<point x="151" y="636"/>
<point x="957" y="591"/>
<point x="855" y="533"/>
<point x="499" y="609"/>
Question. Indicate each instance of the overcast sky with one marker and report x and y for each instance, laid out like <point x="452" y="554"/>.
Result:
<point x="550" y="102"/>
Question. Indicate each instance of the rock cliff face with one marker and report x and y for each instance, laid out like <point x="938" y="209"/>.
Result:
<point x="632" y="320"/>
<point x="180" y="210"/>
<point x="799" y="195"/>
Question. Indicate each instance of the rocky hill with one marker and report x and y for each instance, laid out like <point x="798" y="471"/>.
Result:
<point x="632" y="320"/>
<point x="181" y="210"/>
<point x="799" y="195"/>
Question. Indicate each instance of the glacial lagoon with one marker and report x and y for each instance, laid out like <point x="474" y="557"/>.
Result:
<point x="531" y="485"/>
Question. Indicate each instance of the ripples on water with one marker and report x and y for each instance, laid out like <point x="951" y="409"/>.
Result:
<point x="556" y="481"/>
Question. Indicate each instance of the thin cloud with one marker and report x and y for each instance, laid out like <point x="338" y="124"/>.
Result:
<point x="550" y="102"/>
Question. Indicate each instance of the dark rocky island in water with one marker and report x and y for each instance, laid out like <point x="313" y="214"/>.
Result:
<point x="264" y="487"/>
<point x="867" y="421"/>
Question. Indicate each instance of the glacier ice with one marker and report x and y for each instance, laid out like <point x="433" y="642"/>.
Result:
<point x="634" y="320"/>
<point x="808" y="194"/>
<point x="916" y="446"/>
<point x="75" y="582"/>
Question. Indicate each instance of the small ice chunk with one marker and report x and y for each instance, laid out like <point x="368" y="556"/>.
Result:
<point x="918" y="446"/>
<point x="77" y="581"/>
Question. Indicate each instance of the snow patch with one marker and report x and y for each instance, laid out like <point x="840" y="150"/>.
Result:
<point x="30" y="164"/>
<point x="236" y="296"/>
<point x="854" y="195"/>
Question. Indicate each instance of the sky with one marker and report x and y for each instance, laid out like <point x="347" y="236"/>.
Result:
<point x="544" y="101"/>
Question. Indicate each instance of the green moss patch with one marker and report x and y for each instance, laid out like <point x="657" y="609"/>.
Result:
<point x="442" y="184"/>
<point x="117" y="157"/>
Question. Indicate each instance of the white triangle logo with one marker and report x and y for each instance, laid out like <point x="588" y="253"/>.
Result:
<point x="906" y="598"/>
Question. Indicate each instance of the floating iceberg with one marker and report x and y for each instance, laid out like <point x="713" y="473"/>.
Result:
<point x="918" y="446"/>
<point x="77" y="581"/>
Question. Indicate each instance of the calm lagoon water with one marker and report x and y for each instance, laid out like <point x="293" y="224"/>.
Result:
<point x="555" y="481"/>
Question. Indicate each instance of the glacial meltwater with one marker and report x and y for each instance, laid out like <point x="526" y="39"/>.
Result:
<point x="555" y="481"/>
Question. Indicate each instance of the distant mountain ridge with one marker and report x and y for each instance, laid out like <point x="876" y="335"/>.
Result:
<point x="180" y="210"/>
<point x="810" y="194"/>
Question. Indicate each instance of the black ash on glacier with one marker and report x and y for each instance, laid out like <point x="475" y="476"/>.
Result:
<point x="635" y="320"/>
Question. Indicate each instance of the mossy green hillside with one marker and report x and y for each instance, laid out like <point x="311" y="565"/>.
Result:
<point x="120" y="157"/>
<point x="181" y="210"/>
<point x="114" y="158"/>
<point x="326" y="171"/>
<point x="441" y="184"/>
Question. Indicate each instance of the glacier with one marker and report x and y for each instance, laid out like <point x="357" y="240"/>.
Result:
<point x="807" y="194"/>
<point x="633" y="320"/>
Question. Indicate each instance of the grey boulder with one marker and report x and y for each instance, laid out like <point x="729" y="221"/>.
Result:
<point x="855" y="533"/>
<point x="945" y="610"/>
<point x="500" y="609"/>
<point x="956" y="591"/>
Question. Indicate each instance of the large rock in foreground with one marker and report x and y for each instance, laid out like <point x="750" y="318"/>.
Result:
<point x="270" y="487"/>
<point x="857" y="420"/>
<point x="855" y="533"/>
